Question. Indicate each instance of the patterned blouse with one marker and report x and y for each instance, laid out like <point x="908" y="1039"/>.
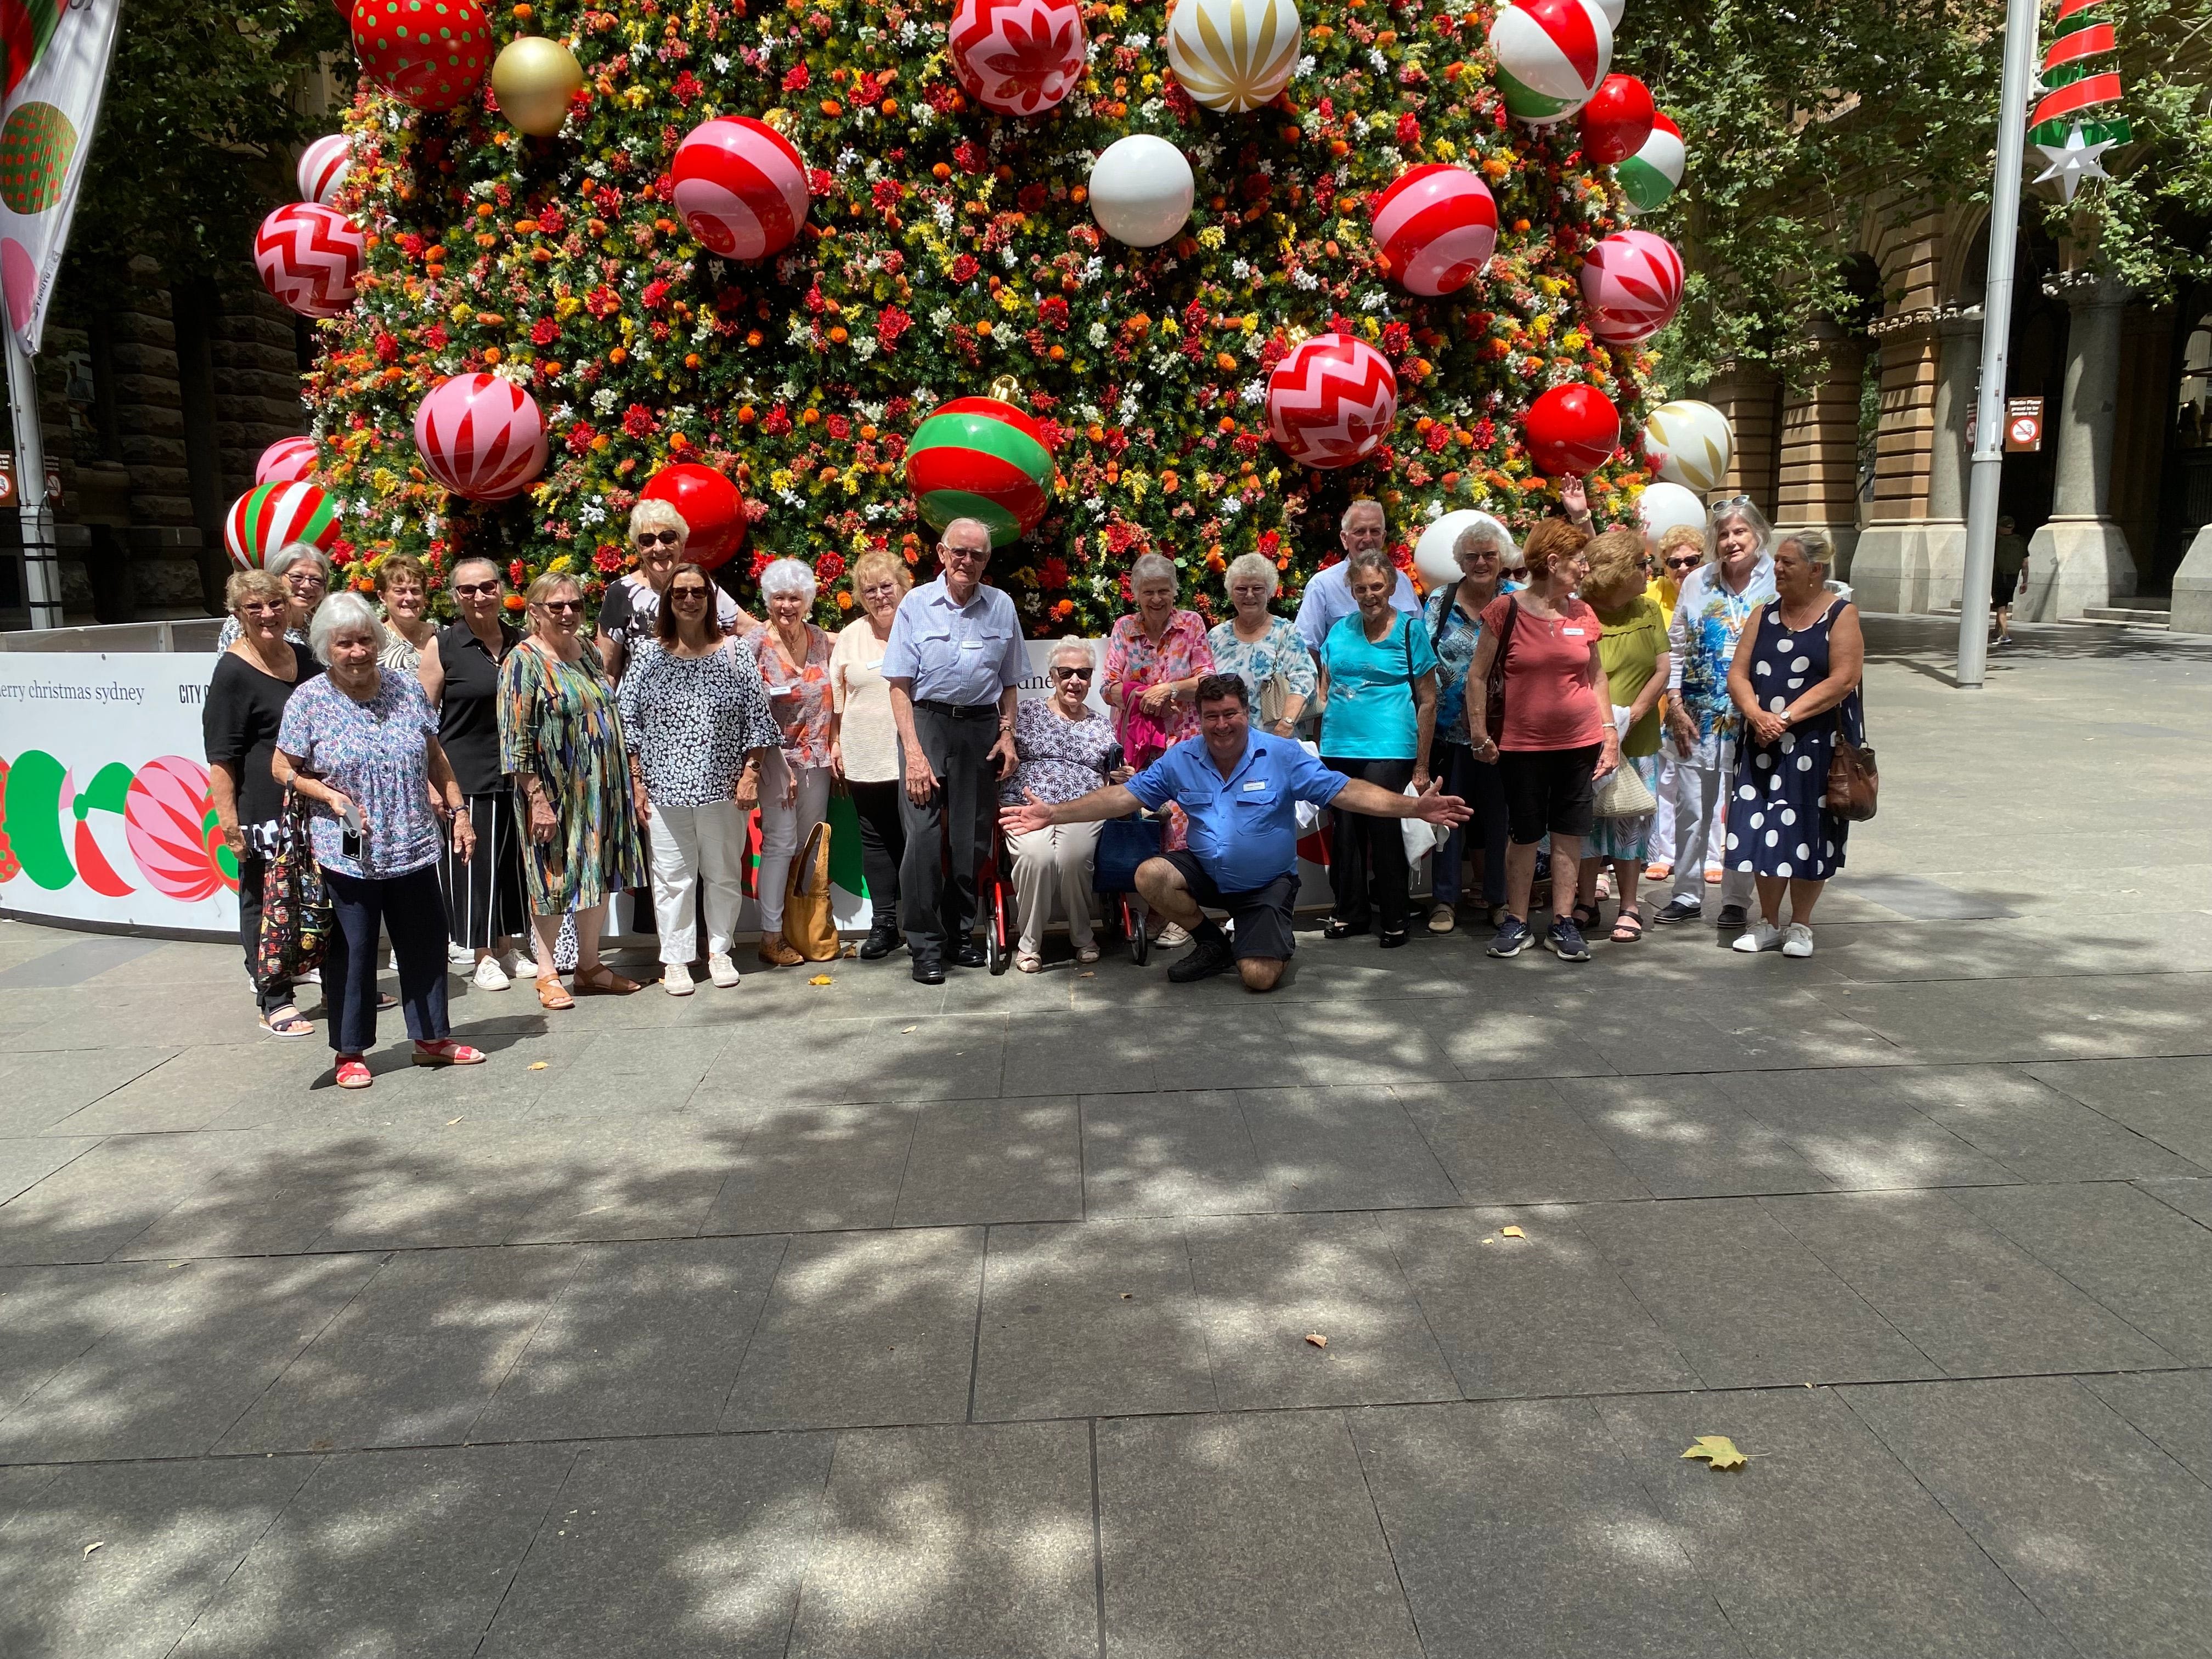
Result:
<point x="799" y="694"/>
<point x="1058" y="758"/>
<point x="1134" y="662"/>
<point x="376" y="755"/>
<point x="693" y="719"/>
<point x="1279" y="651"/>
<point x="1455" y="637"/>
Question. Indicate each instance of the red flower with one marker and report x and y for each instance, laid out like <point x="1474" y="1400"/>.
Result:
<point x="608" y="558"/>
<point x="777" y="424"/>
<point x="579" y="437"/>
<point x="964" y="268"/>
<point x="885" y="193"/>
<point x="796" y="81"/>
<point x="1436" y="437"/>
<point x="655" y="295"/>
<point x="1030" y="197"/>
<point x="638" y="422"/>
<point x="1052" y="312"/>
<point x="388" y="347"/>
<point x="968" y="156"/>
<point x="411" y="244"/>
<point x="890" y="324"/>
<point x="514" y="572"/>
<point x="894" y="262"/>
<point x="1053" y="572"/>
<point x="840" y="427"/>
<point x="602" y="302"/>
<point x="545" y="332"/>
<point x="818" y="181"/>
<point x="686" y="89"/>
<point x="1396" y="337"/>
<point x="552" y="221"/>
<point x="1409" y="131"/>
<point x="828" y="568"/>
<point x="435" y="336"/>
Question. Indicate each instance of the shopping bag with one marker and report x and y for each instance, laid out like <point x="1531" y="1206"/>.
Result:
<point x="809" y="926"/>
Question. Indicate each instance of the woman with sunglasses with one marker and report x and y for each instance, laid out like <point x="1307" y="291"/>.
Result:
<point x="697" y="720"/>
<point x="1681" y="549"/>
<point x="306" y="575"/>
<point x="628" y="608"/>
<point x="863" y="740"/>
<point x="560" y="743"/>
<point x="1060" y="749"/>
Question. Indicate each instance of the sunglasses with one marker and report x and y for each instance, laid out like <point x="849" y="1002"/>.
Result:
<point x="561" y="607"/>
<point x="1684" y="564"/>
<point x="652" y="538"/>
<point x="1071" y="673"/>
<point x="682" y="595"/>
<point x="475" y="590"/>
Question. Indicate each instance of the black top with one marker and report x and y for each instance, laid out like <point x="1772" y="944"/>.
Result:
<point x="468" y="719"/>
<point x="239" y="723"/>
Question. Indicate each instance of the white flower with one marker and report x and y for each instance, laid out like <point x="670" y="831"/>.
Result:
<point x="1382" y="64"/>
<point x="721" y="63"/>
<point x="1230" y="507"/>
<point x="848" y="159"/>
<point x="603" y="400"/>
<point x="1305" y="279"/>
<point x="1093" y="269"/>
<point x="1152" y="108"/>
<point x="1377" y="301"/>
<point x="1255" y="392"/>
<point x="787" y="391"/>
<point x="941" y="318"/>
<point x="923" y="115"/>
<point x="592" y="512"/>
<point x="941" y="211"/>
<point x="1434" y="510"/>
<point x="1240" y="270"/>
<point x="1097" y="334"/>
<point x="864" y="346"/>
<point x="800" y="333"/>
<point x="1008" y="258"/>
<point x="906" y="37"/>
<point x="1137" y="42"/>
<point x="1094" y="505"/>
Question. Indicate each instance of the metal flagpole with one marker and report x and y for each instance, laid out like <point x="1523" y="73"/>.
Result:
<point x="2022" y="26"/>
<point x="42" y="565"/>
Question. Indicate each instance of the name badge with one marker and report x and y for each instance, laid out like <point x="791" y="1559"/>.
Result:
<point x="1571" y="632"/>
<point x="971" y="645"/>
<point x="1256" y="785"/>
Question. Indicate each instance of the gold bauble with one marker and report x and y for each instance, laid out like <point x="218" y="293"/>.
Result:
<point x="533" y="79"/>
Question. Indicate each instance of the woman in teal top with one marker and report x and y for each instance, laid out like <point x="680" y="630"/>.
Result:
<point x="1378" y="676"/>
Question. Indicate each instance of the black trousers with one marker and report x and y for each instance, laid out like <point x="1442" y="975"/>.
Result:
<point x="1369" y="869"/>
<point x="945" y="839"/>
<point x="250" y="870"/>
<point x="1479" y="787"/>
<point x="882" y="842"/>
<point x="413" y="911"/>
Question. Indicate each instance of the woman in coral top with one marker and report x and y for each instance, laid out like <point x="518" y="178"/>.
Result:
<point x="1554" y="738"/>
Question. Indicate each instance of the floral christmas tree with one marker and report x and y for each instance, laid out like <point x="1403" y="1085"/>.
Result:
<point x="949" y="248"/>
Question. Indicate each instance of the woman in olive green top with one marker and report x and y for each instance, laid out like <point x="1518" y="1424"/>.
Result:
<point x="1633" y="646"/>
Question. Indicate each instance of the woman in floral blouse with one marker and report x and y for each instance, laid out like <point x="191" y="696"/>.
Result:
<point x="1060" y="748"/>
<point x="1154" y="660"/>
<point x="1262" y="649"/>
<point x="794" y="666"/>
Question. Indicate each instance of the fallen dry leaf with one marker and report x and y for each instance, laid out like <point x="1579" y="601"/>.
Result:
<point x="1086" y="974"/>
<point x="451" y="1121"/>
<point x="1128" y="1296"/>
<point x="909" y="1031"/>
<point x="536" y="1065"/>
<point x="1511" y="1233"/>
<point x="100" y="1545"/>
<point x="1317" y="1339"/>
<point x="1718" y="1451"/>
<point x="821" y="979"/>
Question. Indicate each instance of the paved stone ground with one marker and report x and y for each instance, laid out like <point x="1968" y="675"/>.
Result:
<point x="871" y="1321"/>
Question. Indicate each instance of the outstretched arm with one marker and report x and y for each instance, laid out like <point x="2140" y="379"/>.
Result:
<point x="1113" y="801"/>
<point x="1358" y="795"/>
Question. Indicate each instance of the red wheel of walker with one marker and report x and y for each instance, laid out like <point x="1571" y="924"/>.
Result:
<point x="998" y="933"/>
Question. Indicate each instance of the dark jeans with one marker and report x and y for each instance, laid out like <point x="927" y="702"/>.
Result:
<point x="1369" y="854"/>
<point x="945" y="838"/>
<point x="1477" y="785"/>
<point x="883" y="843"/>
<point x="413" y="911"/>
<point x="271" y="997"/>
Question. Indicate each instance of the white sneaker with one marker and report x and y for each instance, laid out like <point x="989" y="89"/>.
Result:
<point x="1796" y="940"/>
<point x="1758" y="936"/>
<point x="489" y="975"/>
<point x="723" y="971"/>
<point x="675" y="979"/>
<point x="460" y="956"/>
<point x="517" y="965"/>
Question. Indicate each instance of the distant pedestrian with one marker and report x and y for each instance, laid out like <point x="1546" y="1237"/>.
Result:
<point x="2006" y="578"/>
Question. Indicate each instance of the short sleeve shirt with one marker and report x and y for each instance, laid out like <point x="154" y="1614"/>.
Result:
<point x="962" y="654"/>
<point x="1551" y="701"/>
<point x="797" y="694"/>
<point x="1371" y="714"/>
<point x="692" y="721"/>
<point x="1243" y="828"/>
<point x="375" y="754"/>
<point x="1056" y="759"/>
<point x="240" y="721"/>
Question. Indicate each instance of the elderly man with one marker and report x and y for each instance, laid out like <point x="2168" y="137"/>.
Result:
<point x="952" y="661"/>
<point x="1242" y="797"/>
<point x="1328" y="598"/>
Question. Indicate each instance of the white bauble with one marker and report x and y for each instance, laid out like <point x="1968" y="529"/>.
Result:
<point x="1141" y="191"/>
<point x="1663" y="506"/>
<point x="1432" y="553"/>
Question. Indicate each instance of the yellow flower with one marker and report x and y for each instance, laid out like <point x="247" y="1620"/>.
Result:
<point x="1541" y="326"/>
<point x="780" y="478"/>
<point x="1150" y="83"/>
<point x="559" y="564"/>
<point x="1211" y="236"/>
<point x="1573" y="340"/>
<point x="1009" y="300"/>
<point x="567" y="306"/>
<point x="383" y="481"/>
<point x="1444" y="149"/>
<point x="463" y="311"/>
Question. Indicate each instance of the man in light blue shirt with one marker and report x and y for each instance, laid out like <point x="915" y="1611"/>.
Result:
<point x="1241" y="795"/>
<point x="1328" y="598"/>
<point x="953" y="660"/>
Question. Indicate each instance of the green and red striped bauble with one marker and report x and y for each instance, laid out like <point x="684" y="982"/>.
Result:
<point x="266" y="517"/>
<point x="2075" y="83"/>
<point x="981" y="458"/>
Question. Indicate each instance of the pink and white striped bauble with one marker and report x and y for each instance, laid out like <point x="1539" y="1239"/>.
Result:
<point x="323" y="167"/>
<point x="740" y="186"/>
<point x="1332" y="401"/>
<point x="481" y="436"/>
<point x="309" y="257"/>
<point x="288" y="460"/>
<point x="1018" y="57"/>
<point x="1436" y="227"/>
<point x="1632" y="285"/>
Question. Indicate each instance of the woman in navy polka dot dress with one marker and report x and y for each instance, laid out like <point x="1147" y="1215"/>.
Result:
<point x="1796" y="671"/>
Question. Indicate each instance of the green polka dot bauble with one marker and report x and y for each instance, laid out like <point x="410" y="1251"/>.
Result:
<point x="35" y="147"/>
<point x="433" y="54"/>
<point x="27" y="29"/>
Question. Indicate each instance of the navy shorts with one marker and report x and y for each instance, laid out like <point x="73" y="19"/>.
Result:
<point x="1262" y="916"/>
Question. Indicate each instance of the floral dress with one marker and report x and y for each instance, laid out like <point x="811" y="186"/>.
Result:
<point x="1134" y="662"/>
<point x="1279" y="651"/>
<point x="560" y="720"/>
<point x="798" y="694"/>
<point x="1057" y="759"/>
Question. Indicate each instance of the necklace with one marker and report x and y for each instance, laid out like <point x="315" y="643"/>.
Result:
<point x="1812" y="614"/>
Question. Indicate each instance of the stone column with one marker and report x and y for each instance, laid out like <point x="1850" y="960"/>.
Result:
<point x="1818" y="486"/>
<point x="2080" y="558"/>
<point x="1942" y="554"/>
<point x="1745" y="393"/>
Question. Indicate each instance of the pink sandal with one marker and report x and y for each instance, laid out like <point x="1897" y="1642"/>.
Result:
<point x="353" y="1072"/>
<point x="446" y="1052"/>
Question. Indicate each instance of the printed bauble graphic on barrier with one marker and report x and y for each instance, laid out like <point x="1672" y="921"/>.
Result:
<point x="175" y="838"/>
<point x="481" y="436"/>
<point x="740" y="186"/>
<point x="1435" y="228"/>
<point x="1571" y="430"/>
<point x="1655" y="171"/>
<point x="288" y="460"/>
<point x="268" y="516"/>
<point x="1617" y="121"/>
<point x="36" y="144"/>
<point x="981" y="458"/>
<point x="1631" y="284"/>
<point x="1332" y="401"/>
<point x="1689" y="443"/>
<point x="1433" y="555"/>
<point x="429" y="53"/>
<point x="309" y="257"/>
<point x="713" y="512"/>
<point x="1663" y="506"/>
<point x="1234" y="55"/>
<point x="27" y="29"/>
<point x="533" y="79"/>
<point x="323" y="167"/>
<point x="58" y="833"/>
<point x="1017" y="57"/>
<point x="1141" y="188"/>
<point x="1551" y="56"/>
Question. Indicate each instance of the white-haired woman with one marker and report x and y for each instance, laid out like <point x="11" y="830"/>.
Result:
<point x="1484" y="552"/>
<point x="1060" y="751"/>
<point x="863" y="739"/>
<point x="794" y="793"/>
<point x="359" y="744"/>
<point x="631" y="604"/>
<point x="1260" y="648"/>
<point x="1155" y="657"/>
<point x="306" y="575"/>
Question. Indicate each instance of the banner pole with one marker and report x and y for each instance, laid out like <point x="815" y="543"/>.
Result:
<point x="42" y="564"/>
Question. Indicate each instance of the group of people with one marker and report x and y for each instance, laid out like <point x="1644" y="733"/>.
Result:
<point x="1568" y="711"/>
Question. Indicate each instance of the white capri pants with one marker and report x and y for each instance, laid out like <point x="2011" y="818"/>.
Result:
<point x="692" y="845"/>
<point x="784" y="829"/>
<point x="1057" y="857"/>
<point x="1700" y="812"/>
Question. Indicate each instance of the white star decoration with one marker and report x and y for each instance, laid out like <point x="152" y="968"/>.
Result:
<point x="2072" y="162"/>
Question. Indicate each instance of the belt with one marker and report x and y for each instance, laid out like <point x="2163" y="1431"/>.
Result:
<point x="953" y="711"/>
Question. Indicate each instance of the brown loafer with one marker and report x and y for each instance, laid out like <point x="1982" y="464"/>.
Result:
<point x="777" y="954"/>
<point x="603" y="982"/>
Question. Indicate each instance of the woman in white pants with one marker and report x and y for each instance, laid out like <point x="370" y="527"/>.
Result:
<point x="1060" y="749"/>
<point x="697" y="719"/>
<point x="794" y="666"/>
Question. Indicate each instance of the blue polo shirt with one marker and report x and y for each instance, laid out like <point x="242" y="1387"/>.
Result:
<point x="1243" y="828"/>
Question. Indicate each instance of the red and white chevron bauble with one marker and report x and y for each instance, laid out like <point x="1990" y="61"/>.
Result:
<point x="740" y="186"/>
<point x="1632" y="285"/>
<point x="309" y="257"/>
<point x="288" y="460"/>
<point x="481" y="436"/>
<point x="1332" y="401"/>
<point x="1436" y="227"/>
<point x="1019" y="57"/>
<point x="323" y="167"/>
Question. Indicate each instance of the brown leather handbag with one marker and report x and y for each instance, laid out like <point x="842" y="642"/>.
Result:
<point x="808" y="926"/>
<point x="1853" y="781"/>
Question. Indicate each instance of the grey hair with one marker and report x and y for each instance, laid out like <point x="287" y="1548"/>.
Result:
<point x="291" y="553"/>
<point x="1372" y="558"/>
<point x="1245" y="565"/>
<point x="1344" y="518"/>
<point x="788" y="576"/>
<point x="945" y="536"/>
<point x="343" y="613"/>
<point x="1153" y="567"/>
<point x="1741" y="507"/>
<point x="1812" y="546"/>
<point x="654" y="515"/>
<point x="1471" y="540"/>
<point x="461" y="564"/>
<point x="1074" y="645"/>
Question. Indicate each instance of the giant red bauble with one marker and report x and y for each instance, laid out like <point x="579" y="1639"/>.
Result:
<point x="711" y="509"/>
<point x="1617" y="121"/>
<point x="1572" y="429"/>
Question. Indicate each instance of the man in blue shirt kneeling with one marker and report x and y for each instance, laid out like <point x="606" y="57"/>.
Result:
<point x="1241" y="796"/>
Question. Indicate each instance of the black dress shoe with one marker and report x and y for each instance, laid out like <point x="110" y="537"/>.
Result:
<point x="928" y="972"/>
<point x="880" y="943"/>
<point x="971" y="954"/>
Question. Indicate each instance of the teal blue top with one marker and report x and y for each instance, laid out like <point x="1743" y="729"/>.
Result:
<point x="1370" y="689"/>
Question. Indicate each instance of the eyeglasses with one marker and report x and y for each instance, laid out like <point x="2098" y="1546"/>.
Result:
<point x="475" y="590"/>
<point x="561" y="607"/>
<point x="1684" y="564"/>
<point x="305" y="578"/>
<point x="1731" y="502"/>
<point x="688" y="595"/>
<point x="965" y="555"/>
<point x="646" y="538"/>
<point x="1071" y="673"/>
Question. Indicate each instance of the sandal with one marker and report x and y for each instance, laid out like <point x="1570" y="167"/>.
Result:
<point x="1029" y="961"/>
<point x="1086" y="953"/>
<point x="385" y="1002"/>
<point x="1584" y="917"/>
<point x="551" y="994"/>
<point x="287" y="1022"/>
<point x="353" y="1072"/>
<point x="601" y="980"/>
<point x="1627" y="926"/>
<point x="446" y="1052"/>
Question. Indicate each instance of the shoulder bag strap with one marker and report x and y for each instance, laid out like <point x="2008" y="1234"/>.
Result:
<point x="1451" y="595"/>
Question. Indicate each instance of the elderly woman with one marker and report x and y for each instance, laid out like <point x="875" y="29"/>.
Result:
<point x="1796" y="682"/>
<point x="1483" y="552"/>
<point x="863" y="740"/>
<point x="1681" y="549"/>
<point x="795" y="795"/>
<point x="1553" y="738"/>
<point x="583" y="800"/>
<point x="402" y="584"/>
<point x="1262" y="649"/>
<point x="306" y="575"/>
<point x="360" y="744"/>
<point x="658" y="537"/>
<point x="1632" y="644"/>
<point x="1378" y="685"/>
<point x="1062" y="749"/>
<point x="254" y="679"/>
<point x="697" y="720"/>
<point x="1155" y="657"/>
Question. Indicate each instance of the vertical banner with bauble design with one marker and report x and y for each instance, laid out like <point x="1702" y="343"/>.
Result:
<point x="56" y="52"/>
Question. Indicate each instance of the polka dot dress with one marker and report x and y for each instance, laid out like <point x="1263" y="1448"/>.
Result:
<point x="1777" y="825"/>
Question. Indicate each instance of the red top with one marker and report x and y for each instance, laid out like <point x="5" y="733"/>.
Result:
<point x="1550" y="702"/>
